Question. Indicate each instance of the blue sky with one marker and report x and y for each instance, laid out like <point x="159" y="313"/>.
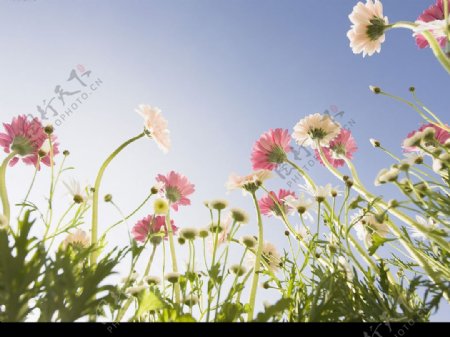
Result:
<point x="223" y="72"/>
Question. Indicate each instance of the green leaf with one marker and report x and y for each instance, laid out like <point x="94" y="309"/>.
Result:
<point x="273" y="310"/>
<point x="230" y="312"/>
<point x="148" y="301"/>
<point x="186" y="318"/>
<point x="377" y="242"/>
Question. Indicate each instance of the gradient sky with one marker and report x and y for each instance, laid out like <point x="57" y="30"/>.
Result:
<point x="222" y="71"/>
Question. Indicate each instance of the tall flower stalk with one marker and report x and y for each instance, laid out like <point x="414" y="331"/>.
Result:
<point x="173" y="255"/>
<point x="95" y="196"/>
<point x="257" y="267"/>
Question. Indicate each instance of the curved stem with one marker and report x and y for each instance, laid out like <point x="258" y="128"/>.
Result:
<point x="416" y="108"/>
<point x="257" y="261"/>
<point x="3" y="191"/>
<point x="359" y="187"/>
<point x="434" y="45"/>
<point x="98" y="180"/>
<point x="408" y="246"/>
<point x="59" y="224"/>
<point x="302" y="173"/>
<point x="128" y="216"/>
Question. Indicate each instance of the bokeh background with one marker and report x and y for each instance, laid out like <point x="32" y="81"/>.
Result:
<point x="222" y="71"/>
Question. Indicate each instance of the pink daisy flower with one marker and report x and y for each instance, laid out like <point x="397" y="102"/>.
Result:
<point x="270" y="149"/>
<point x="433" y="13"/>
<point x="28" y="139"/>
<point x="176" y="188"/>
<point x="151" y="225"/>
<point x="343" y="145"/>
<point x="440" y="136"/>
<point x="268" y="206"/>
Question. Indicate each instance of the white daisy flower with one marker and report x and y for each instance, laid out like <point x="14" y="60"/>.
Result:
<point x="320" y="193"/>
<point x="250" y="182"/>
<point x="135" y="289"/>
<point x="437" y="28"/>
<point x="343" y="263"/>
<point x="315" y="128"/>
<point x="77" y="192"/>
<point x="79" y="239"/>
<point x="429" y="224"/>
<point x="270" y="256"/>
<point x="302" y="204"/>
<point x="387" y="175"/>
<point x="367" y="223"/>
<point x="368" y="26"/>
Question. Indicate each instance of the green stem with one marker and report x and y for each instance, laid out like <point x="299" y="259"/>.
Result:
<point x="129" y="215"/>
<point x="59" y="225"/>
<point x="231" y="234"/>
<point x="431" y="113"/>
<point x="3" y="191"/>
<point x="98" y="180"/>
<point x="359" y="187"/>
<point x="416" y="108"/>
<point x="369" y="197"/>
<point x="213" y="261"/>
<point x="302" y="172"/>
<point x="28" y="192"/>
<point x="173" y="254"/>
<point x="150" y="261"/>
<point x="257" y="261"/>
<point x="49" y="217"/>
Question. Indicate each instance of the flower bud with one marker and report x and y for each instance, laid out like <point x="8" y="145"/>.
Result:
<point x="238" y="270"/>
<point x="203" y="233"/>
<point x="191" y="300"/>
<point x="188" y="233"/>
<point x="173" y="277"/>
<point x="375" y="143"/>
<point x="218" y="204"/>
<point x="108" y="198"/>
<point x="248" y="241"/>
<point x="78" y="199"/>
<point x="393" y="203"/>
<point x="48" y="129"/>
<point x="266" y="284"/>
<point x="152" y="280"/>
<point x="239" y="215"/>
<point x="375" y="90"/>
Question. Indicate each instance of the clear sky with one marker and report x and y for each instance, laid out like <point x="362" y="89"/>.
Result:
<point x="222" y="71"/>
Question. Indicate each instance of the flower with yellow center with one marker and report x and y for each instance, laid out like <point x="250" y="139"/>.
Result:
<point x="160" y="206"/>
